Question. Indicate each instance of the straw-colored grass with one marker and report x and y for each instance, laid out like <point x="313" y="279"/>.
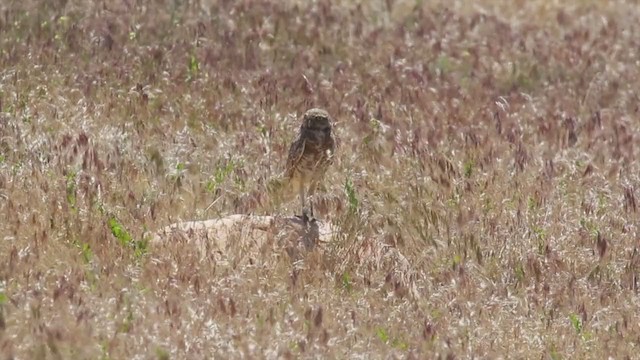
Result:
<point x="494" y="144"/>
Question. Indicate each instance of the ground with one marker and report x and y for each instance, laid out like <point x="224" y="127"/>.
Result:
<point x="493" y="143"/>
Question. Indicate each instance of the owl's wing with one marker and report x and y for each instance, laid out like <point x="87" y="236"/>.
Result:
<point x="295" y="153"/>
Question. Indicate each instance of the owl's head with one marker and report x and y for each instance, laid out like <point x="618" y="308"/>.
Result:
<point x="317" y="120"/>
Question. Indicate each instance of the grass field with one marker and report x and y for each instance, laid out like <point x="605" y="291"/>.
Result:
<point x="493" y="144"/>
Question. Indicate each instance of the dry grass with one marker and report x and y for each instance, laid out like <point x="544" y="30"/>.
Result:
<point x="495" y="145"/>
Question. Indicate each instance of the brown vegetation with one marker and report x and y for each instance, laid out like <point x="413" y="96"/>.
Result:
<point x="493" y="144"/>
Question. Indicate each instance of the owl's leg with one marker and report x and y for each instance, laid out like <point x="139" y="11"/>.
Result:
<point x="312" y="190"/>
<point x="305" y="217"/>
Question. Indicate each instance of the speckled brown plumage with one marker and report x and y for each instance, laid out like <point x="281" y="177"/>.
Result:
<point x="310" y="155"/>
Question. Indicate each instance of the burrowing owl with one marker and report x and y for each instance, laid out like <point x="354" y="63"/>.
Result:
<point x="309" y="156"/>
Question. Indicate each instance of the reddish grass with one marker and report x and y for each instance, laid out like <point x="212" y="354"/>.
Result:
<point x="494" y="145"/>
